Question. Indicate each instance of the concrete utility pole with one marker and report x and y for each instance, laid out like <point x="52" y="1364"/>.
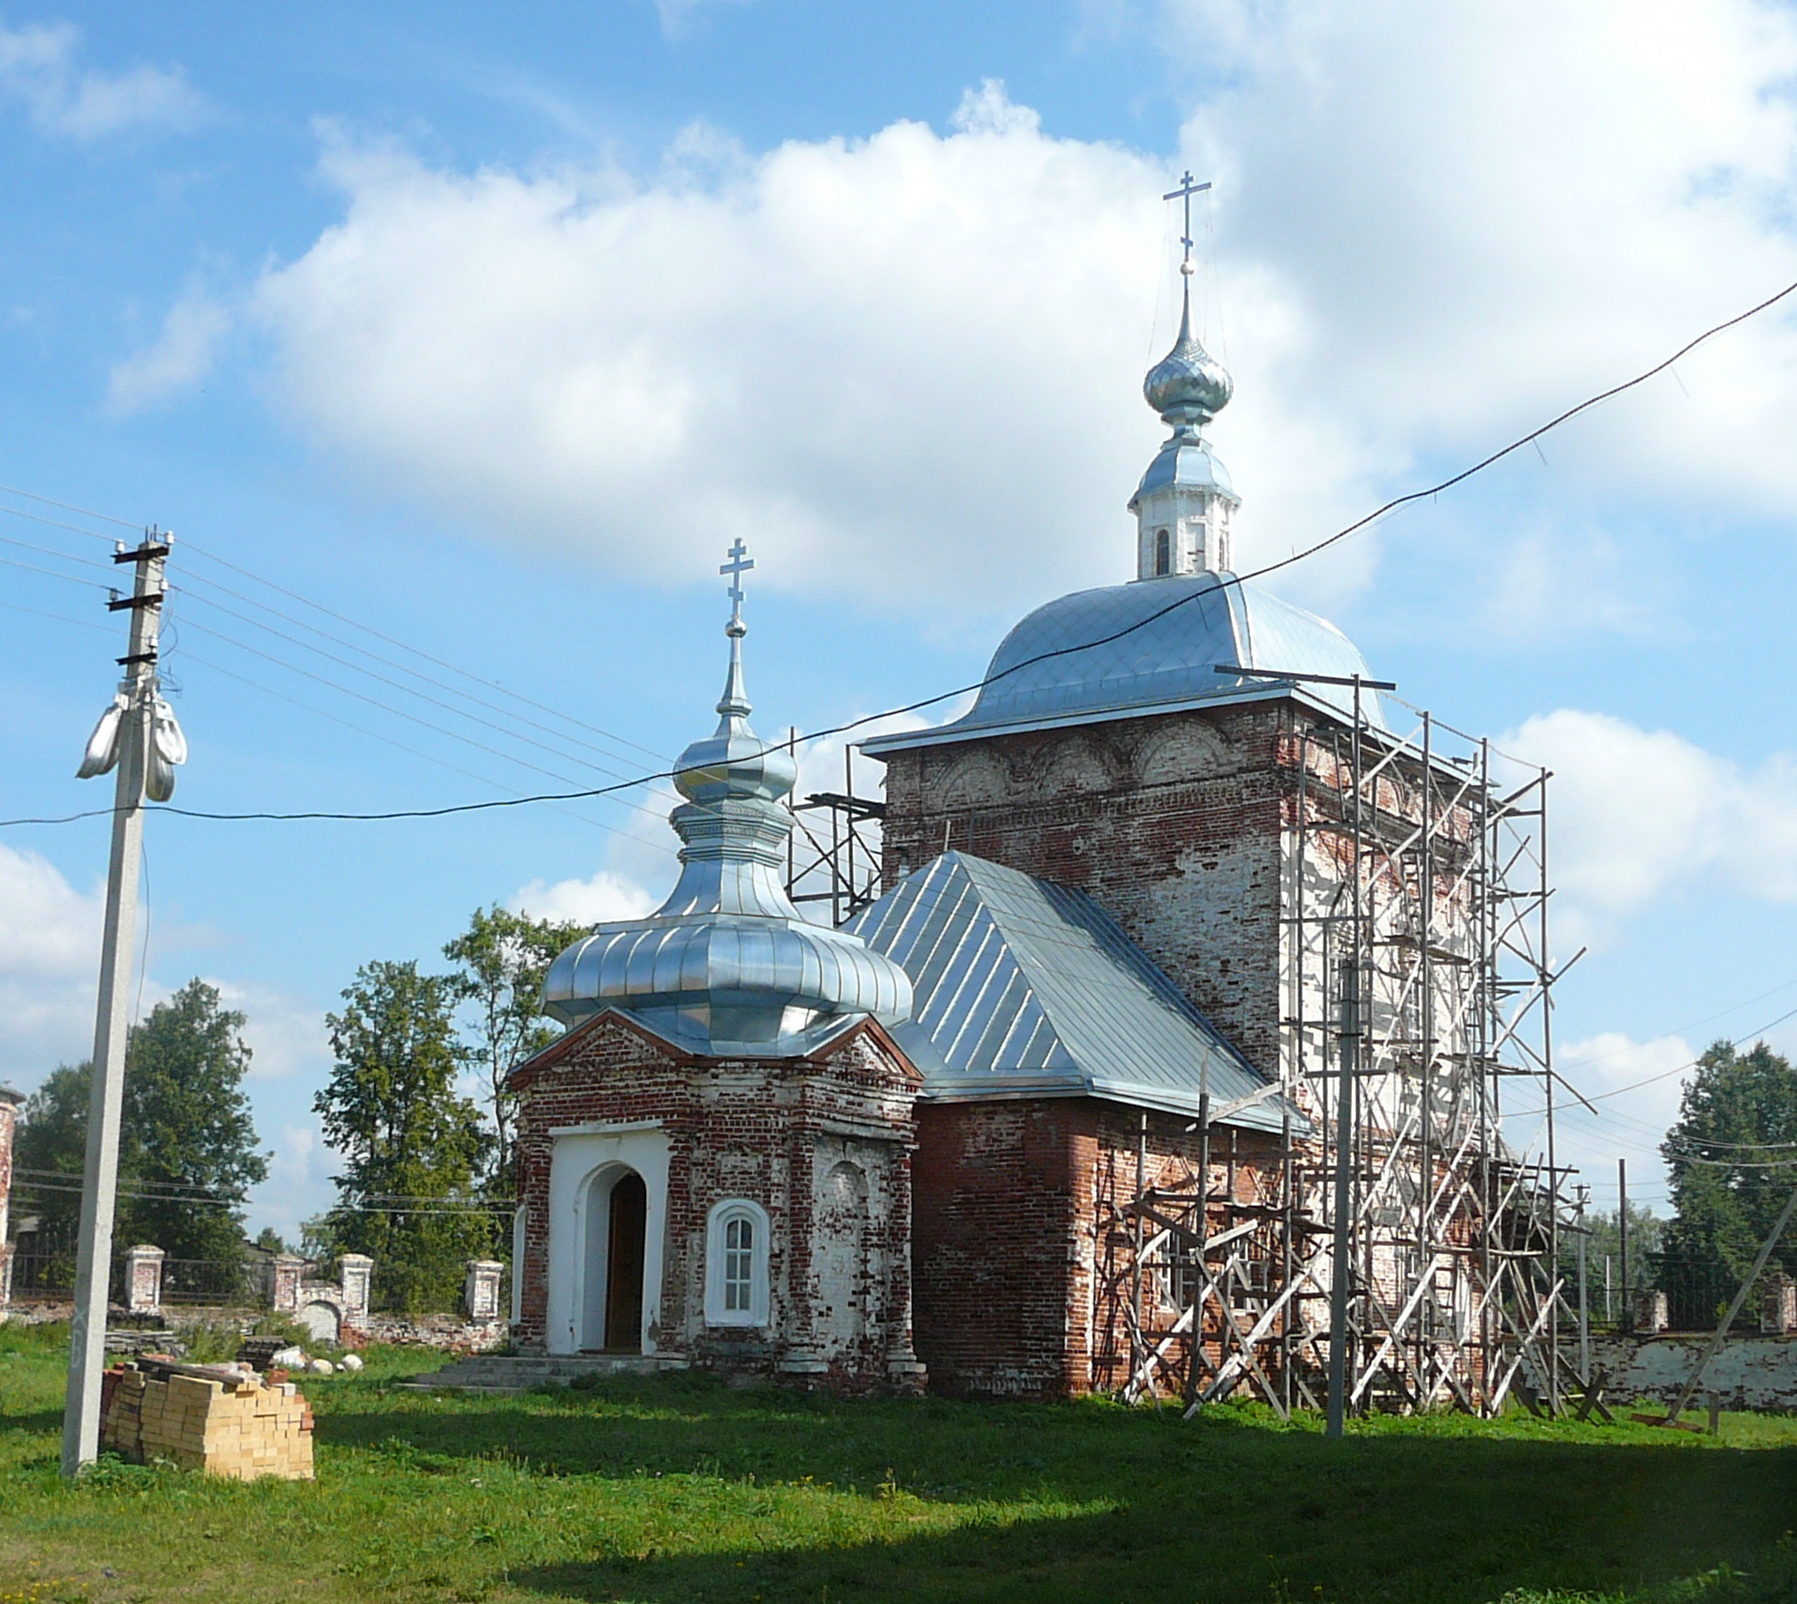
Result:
<point x="1626" y="1315"/>
<point x="123" y="738"/>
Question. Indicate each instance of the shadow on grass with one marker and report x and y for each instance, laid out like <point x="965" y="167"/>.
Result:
<point x="1225" y="1508"/>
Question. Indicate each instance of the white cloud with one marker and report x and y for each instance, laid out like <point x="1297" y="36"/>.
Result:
<point x="908" y="366"/>
<point x="678" y="16"/>
<point x="286" y="1035"/>
<point x="181" y="355"/>
<point x="1464" y="218"/>
<point x="49" y="965"/>
<point x="1635" y="1087"/>
<point x="298" y="1185"/>
<point x="604" y="895"/>
<point x="1641" y="814"/>
<point x="38" y="66"/>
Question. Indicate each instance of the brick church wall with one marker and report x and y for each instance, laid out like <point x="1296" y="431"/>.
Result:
<point x="1021" y="1290"/>
<point x="1171" y="822"/>
<point x="774" y="1131"/>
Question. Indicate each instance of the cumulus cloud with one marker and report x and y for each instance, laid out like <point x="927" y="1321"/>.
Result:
<point x="1466" y="217"/>
<point x="606" y="894"/>
<point x="39" y="66"/>
<point x="903" y="365"/>
<point x="298" y="1185"/>
<point x="908" y="365"/>
<point x="49" y="962"/>
<point x="1636" y="1086"/>
<point x="286" y="1035"/>
<point x="181" y="355"/>
<point x="1641" y="814"/>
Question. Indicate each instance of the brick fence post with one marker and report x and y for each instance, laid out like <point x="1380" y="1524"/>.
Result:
<point x="355" y="1270"/>
<point x="284" y="1273"/>
<point x="143" y="1279"/>
<point x="480" y="1292"/>
<point x="1778" y="1305"/>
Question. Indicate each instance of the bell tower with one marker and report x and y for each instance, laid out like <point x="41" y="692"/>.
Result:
<point x="1185" y="503"/>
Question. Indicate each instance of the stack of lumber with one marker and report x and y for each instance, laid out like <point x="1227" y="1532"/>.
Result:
<point x="218" y="1418"/>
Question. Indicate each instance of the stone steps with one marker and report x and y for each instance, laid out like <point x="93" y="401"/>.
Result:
<point x="519" y="1373"/>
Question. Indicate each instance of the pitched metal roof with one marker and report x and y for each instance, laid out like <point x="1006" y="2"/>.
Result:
<point x="1025" y="988"/>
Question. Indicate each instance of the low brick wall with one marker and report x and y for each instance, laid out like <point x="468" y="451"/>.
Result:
<point x="1750" y="1371"/>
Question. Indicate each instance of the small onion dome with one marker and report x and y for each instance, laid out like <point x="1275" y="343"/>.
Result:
<point x="1187" y="385"/>
<point x="727" y="964"/>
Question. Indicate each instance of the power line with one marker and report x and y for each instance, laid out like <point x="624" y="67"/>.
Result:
<point x="73" y="579"/>
<point x="930" y="701"/>
<point x="454" y="668"/>
<point x="104" y="517"/>
<point x="389" y="662"/>
<point x="405" y="690"/>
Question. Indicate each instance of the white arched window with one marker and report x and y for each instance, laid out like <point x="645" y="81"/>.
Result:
<point x="1163" y="551"/>
<point x="736" y="1245"/>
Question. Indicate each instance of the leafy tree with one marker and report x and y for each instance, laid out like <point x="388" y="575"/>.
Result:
<point x="270" y="1241"/>
<point x="188" y="1147"/>
<point x="1732" y="1155"/>
<point x="501" y="960"/>
<point x="413" y="1148"/>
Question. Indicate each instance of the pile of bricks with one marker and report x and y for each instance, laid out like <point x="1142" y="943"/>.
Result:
<point x="217" y="1418"/>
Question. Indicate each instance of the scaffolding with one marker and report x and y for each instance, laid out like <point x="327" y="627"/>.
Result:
<point x="1413" y="952"/>
<point x="1415" y="975"/>
<point x="842" y="867"/>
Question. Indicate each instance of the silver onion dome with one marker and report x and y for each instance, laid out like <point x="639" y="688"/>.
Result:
<point x="1188" y="385"/>
<point x="727" y="965"/>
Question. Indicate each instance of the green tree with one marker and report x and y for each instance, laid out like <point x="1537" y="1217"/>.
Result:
<point x="188" y="1147"/>
<point x="500" y="961"/>
<point x="413" y="1147"/>
<point x="1732" y="1156"/>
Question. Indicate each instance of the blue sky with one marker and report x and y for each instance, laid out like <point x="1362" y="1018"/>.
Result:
<point x="491" y="330"/>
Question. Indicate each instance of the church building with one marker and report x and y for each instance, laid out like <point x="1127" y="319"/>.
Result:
<point x="1052" y="1114"/>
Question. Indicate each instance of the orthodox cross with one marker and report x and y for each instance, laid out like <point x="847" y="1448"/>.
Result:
<point x="740" y="563"/>
<point x="1187" y="189"/>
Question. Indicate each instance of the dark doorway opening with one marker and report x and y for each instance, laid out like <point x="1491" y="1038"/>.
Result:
<point x="624" y="1266"/>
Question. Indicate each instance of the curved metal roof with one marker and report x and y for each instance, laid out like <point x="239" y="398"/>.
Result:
<point x="1151" y="644"/>
<point x="1185" y="460"/>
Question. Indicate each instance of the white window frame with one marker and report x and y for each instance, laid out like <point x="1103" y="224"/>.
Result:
<point x="716" y="1233"/>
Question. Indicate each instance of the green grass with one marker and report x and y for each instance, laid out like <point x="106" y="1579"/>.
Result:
<point x="683" y="1490"/>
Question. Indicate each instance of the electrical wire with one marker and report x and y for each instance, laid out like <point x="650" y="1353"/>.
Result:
<point x="403" y="689"/>
<point x="104" y="517"/>
<point x="454" y="668"/>
<point x="389" y="662"/>
<point x="1063" y="651"/>
<point x="73" y="579"/>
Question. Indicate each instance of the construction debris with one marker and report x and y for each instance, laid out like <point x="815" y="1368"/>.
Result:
<point x="218" y="1418"/>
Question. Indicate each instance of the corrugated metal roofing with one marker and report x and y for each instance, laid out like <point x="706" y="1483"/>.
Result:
<point x="1022" y="987"/>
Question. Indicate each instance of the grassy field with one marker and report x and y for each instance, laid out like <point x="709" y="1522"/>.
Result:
<point x="684" y="1490"/>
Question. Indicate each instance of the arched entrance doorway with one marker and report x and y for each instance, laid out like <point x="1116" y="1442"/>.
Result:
<point x="617" y="1218"/>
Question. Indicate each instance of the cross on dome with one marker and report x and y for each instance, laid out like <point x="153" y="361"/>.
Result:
<point x="739" y="564"/>
<point x="1187" y="189"/>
